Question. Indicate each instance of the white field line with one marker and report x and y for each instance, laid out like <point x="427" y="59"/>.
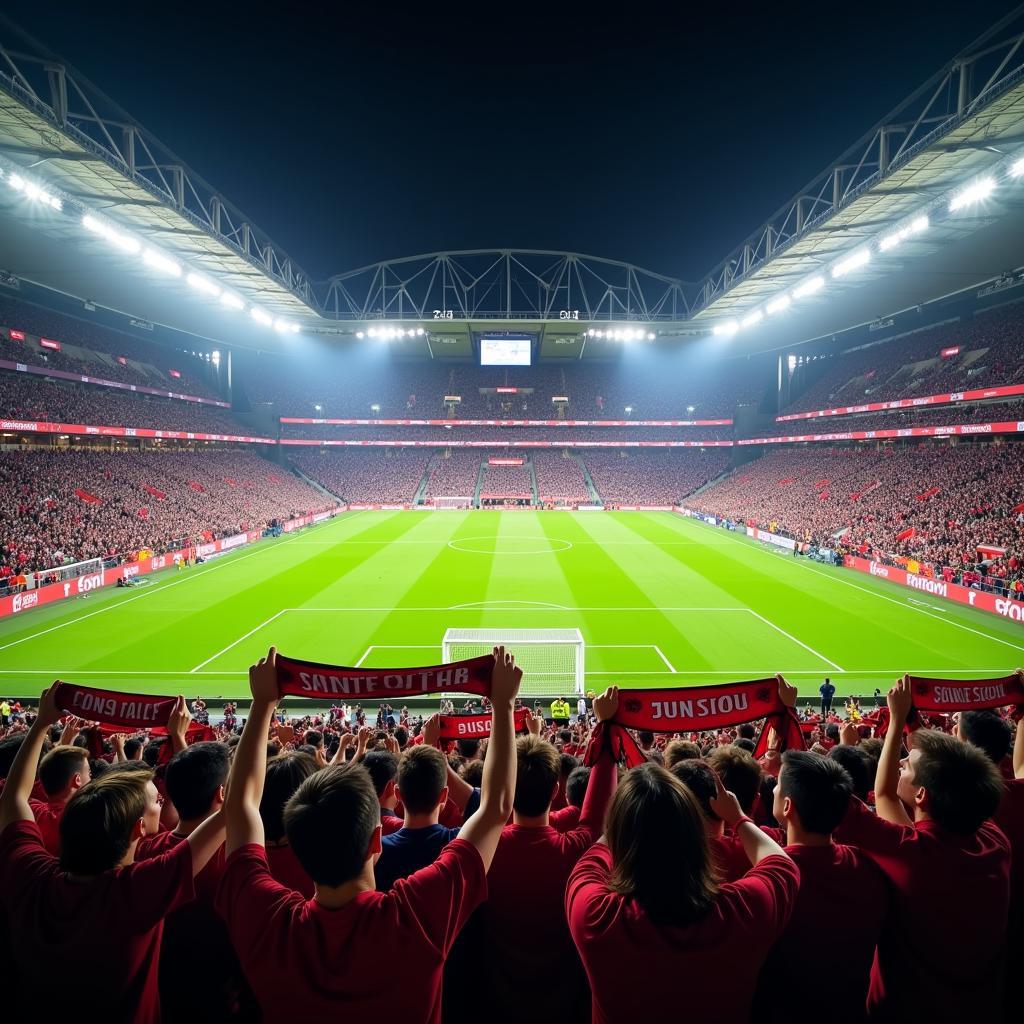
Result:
<point x="455" y="608"/>
<point x="817" y="654"/>
<point x="363" y="657"/>
<point x="189" y="575"/>
<point x="671" y="668"/>
<point x="235" y="643"/>
<point x="892" y="600"/>
<point x="894" y="672"/>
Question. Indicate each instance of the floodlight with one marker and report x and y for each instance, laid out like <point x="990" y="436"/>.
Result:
<point x="231" y="301"/>
<point x="1017" y="169"/>
<point x="372" y="332"/>
<point x="359" y="334"/>
<point x="420" y="332"/>
<point x="974" y="193"/>
<point x="691" y="408"/>
<point x="375" y="407"/>
<point x="318" y="408"/>
<point x="915" y="227"/>
<point x="629" y="409"/>
<point x="650" y="335"/>
<point x="260" y="317"/>
<point x="158" y="261"/>
<point x="752" y="318"/>
<point x="852" y="262"/>
<point x="202" y="284"/>
<point x="809" y="287"/>
<point x="726" y="329"/>
<point x="777" y="305"/>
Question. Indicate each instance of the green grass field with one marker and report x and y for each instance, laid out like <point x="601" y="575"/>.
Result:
<point x="660" y="601"/>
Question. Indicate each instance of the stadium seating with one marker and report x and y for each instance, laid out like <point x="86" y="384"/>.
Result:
<point x="382" y="476"/>
<point x="652" y="478"/>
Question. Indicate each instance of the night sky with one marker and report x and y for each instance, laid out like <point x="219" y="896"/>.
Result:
<point x="658" y="135"/>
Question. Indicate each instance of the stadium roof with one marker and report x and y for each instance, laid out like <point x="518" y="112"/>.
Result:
<point x="58" y="129"/>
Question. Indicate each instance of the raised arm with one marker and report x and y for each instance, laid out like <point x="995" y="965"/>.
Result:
<point x="604" y="776"/>
<point x="756" y="844"/>
<point x="14" y="804"/>
<point x="888" y="805"/>
<point x="178" y="723"/>
<point x="459" y="790"/>
<point x="483" y="829"/>
<point x="245" y="787"/>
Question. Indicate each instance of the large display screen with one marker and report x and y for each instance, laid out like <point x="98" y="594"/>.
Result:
<point x="505" y="351"/>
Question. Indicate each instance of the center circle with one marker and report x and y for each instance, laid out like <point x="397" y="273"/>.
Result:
<point x="507" y="545"/>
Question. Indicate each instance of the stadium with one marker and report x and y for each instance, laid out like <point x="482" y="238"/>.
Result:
<point x="806" y="464"/>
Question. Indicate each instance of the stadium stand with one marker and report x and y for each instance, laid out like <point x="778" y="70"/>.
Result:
<point x="559" y="477"/>
<point x="376" y="477"/>
<point x="652" y="478"/>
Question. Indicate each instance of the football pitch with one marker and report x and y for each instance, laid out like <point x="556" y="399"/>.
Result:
<point x="660" y="601"/>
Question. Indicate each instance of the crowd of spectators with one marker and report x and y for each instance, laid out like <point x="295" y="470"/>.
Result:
<point x="288" y="867"/>
<point x="507" y="481"/>
<point x="94" y="350"/>
<point x="559" y="477"/>
<point x="454" y="474"/>
<point x="937" y="504"/>
<point x="652" y="477"/>
<point x="551" y="434"/>
<point x="68" y="506"/>
<point x="376" y="476"/>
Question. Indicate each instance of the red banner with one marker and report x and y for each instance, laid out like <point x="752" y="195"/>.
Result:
<point x="567" y="443"/>
<point x="126" y="710"/>
<point x="87" y="497"/>
<point x="505" y="423"/>
<point x="42" y="427"/>
<point x="1007" y="391"/>
<point x="156" y="492"/>
<point x="955" y="430"/>
<point x="936" y="695"/>
<point x="475" y="727"/>
<point x="312" y="679"/>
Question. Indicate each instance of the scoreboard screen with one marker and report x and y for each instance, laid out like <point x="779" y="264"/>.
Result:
<point x="505" y="350"/>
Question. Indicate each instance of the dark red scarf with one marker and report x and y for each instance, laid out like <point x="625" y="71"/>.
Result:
<point x="311" y="679"/>
<point x="698" y="708"/>
<point x="475" y="727"/>
<point x="126" y="711"/>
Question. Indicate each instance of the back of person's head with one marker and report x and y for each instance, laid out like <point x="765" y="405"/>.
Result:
<point x="576" y="785"/>
<point x="745" y="731"/>
<point x="151" y="752"/>
<point x="566" y="765"/>
<point x="646" y="738"/>
<point x="873" y="748"/>
<point x="60" y="768"/>
<point x="285" y="773"/>
<point x="655" y="831"/>
<point x="565" y="735"/>
<point x="314" y="738"/>
<point x="987" y="731"/>
<point x="699" y="778"/>
<point x="422" y="777"/>
<point x="680" y="750"/>
<point x="537" y="775"/>
<point x="10" y="745"/>
<point x="330" y="820"/>
<point x="818" y="789"/>
<point x="382" y="767"/>
<point x="744" y="744"/>
<point x="133" y="749"/>
<point x="468" y="748"/>
<point x="99" y="822"/>
<point x="98" y="767"/>
<point x="132" y="768"/>
<point x="194" y="779"/>
<point x="401" y="735"/>
<point x="859" y="767"/>
<point x="963" y="786"/>
<point x="739" y="772"/>
<point x="472" y="773"/>
<point x="832" y="732"/>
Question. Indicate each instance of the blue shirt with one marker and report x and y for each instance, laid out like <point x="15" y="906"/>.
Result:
<point x="408" y="850"/>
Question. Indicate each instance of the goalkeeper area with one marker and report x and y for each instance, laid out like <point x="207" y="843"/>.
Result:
<point x="657" y="601"/>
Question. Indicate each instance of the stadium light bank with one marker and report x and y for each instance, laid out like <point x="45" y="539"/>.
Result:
<point x="963" y="198"/>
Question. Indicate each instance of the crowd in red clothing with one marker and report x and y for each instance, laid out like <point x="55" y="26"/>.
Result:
<point x="378" y="476"/>
<point x="289" y="867"/>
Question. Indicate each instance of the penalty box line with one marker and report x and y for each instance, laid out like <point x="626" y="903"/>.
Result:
<point x="596" y="647"/>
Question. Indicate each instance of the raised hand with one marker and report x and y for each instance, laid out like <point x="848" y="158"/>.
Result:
<point x="505" y="677"/>
<point x="724" y="804"/>
<point x="607" y="704"/>
<point x="263" y="679"/>
<point x="432" y="731"/>
<point x="787" y="692"/>
<point x="900" y="700"/>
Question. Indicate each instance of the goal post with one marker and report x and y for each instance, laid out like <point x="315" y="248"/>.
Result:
<point x="69" y="571"/>
<point x="551" y="659"/>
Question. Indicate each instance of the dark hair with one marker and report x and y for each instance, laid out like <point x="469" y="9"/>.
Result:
<point x="659" y="847"/>
<point x="422" y="775"/>
<point x="536" y="775"/>
<point x="468" y="748"/>
<point x="680" y="750"/>
<point x="194" y="775"/>
<point x="60" y="766"/>
<point x="576" y="785"/>
<point x="987" y="731"/>
<point x="745" y="730"/>
<point x="9" y="747"/>
<point x="739" y="773"/>
<point x="330" y="820"/>
<point x="872" y="747"/>
<point x="313" y="737"/>
<point x="566" y="764"/>
<point x="964" y="787"/>
<point x="698" y="777"/>
<point x="401" y="735"/>
<point x="98" y="767"/>
<point x="285" y="773"/>
<point x="151" y="752"/>
<point x="565" y="735"/>
<point x="859" y="766"/>
<point x="744" y="744"/>
<point x="132" y="768"/>
<point x="132" y="748"/>
<point x="382" y="767"/>
<point x="832" y="731"/>
<point x="819" y="788"/>
<point x="473" y="773"/>
<point x="646" y="737"/>
<point x="96" y="826"/>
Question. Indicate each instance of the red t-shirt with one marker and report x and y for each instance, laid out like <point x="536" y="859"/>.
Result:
<point x="389" y="824"/>
<point x="297" y="953"/>
<point x="730" y="859"/>
<point x="839" y="885"/>
<point x="526" y="890"/>
<point x="48" y="814"/>
<point x="565" y="820"/>
<point x="287" y="870"/>
<point x="637" y="968"/>
<point x="1010" y="818"/>
<point x="101" y="936"/>
<point x="940" y="951"/>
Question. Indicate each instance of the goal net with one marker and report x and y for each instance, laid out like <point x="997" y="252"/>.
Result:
<point x="551" y="659"/>
<point x="60" y="573"/>
<point x="453" y="501"/>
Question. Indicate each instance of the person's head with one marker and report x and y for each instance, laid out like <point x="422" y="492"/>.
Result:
<point x="744" y="744"/>
<point x="680" y="750"/>
<point x="745" y="731"/>
<point x="314" y="738"/>
<point x="382" y="767"/>
<point x="832" y="732"/>
<point x="9" y="747"/>
<point x="64" y="770"/>
<point x="133" y="749"/>
<point x="537" y="776"/>
<point x="566" y="765"/>
<point x="739" y="772"/>
<point x="151" y="752"/>
<point x="285" y="773"/>
<point x="565" y="736"/>
<point x="333" y="823"/>
<point x="859" y="767"/>
<point x="655" y="831"/>
<point x="103" y="822"/>
<point x="987" y="731"/>
<point x="873" y="748"/>
<point x="950" y="781"/>
<point x="699" y="778"/>
<point x="473" y="773"/>
<point x="468" y="748"/>
<point x="813" y="792"/>
<point x="401" y="737"/>
<point x="422" y="781"/>
<point x="576" y="785"/>
<point x="646" y="738"/>
<point x="196" y="777"/>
